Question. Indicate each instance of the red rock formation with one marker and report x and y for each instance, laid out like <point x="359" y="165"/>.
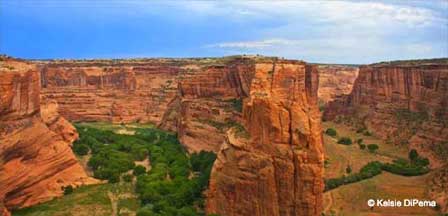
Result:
<point x="277" y="167"/>
<point x="206" y="108"/>
<point x="189" y="96"/>
<point x="110" y="92"/>
<point x="56" y="123"/>
<point x="35" y="162"/>
<point x="404" y="103"/>
<point x="335" y="81"/>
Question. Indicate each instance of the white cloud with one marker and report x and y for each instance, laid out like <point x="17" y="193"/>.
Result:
<point x="338" y="30"/>
<point x="330" y="11"/>
<point x="256" y="44"/>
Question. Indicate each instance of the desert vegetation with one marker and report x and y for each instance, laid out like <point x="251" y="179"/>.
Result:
<point x="414" y="166"/>
<point x="173" y="185"/>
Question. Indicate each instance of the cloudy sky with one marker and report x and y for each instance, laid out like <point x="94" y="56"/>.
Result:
<point x="315" y="31"/>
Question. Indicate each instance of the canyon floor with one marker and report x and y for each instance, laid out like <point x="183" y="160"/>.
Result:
<point x="121" y="199"/>
<point x="352" y="199"/>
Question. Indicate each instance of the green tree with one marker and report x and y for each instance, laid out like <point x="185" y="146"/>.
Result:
<point x="138" y="170"/>
<point x="372" y="147"/>
<point x="145" y="212"/>
<point x="80" y="149"/>
<point x="67" y="190"/>
<point x="331" y="132"/>
<point x="413" y="155"/>
<point x="127" y="178"/>
<point x="348" y="169"/>
<point x="345" y="141"/>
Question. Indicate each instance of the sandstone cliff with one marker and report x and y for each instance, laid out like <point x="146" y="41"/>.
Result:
<point x="335" y="81"/>
<point x="276" y="166"/>
<point x="194" y="97"/>
<point x="404" y="102"/>
<point x="109" y="91"/>
<point x="35" y="161"/>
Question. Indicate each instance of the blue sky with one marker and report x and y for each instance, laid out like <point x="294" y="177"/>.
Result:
<point x="315" y="31"/>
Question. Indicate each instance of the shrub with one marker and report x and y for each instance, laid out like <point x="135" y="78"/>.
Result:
<point x="138" y="170"/>
<point x="237" y="104"/>
<point x="362" y="146"/>
<point x="368" y="171"/>
<point x="367" y="133"/>
<point x="326" y="163"/>
<point x="405" y="170"/>
<point x="80" y="149"/>
<point x="68" y="190"/>
<point x="413" y="155"/>
<point x="331" y="132"/>
<point x="359" y="141"/>
<point x="422" y="162"/>
<point x="372" y="147"/>
<point x="145" y="212"/>
<point x="348" y="169"/>
<point x="127" y="178"/>
<point x="345" y="141"/>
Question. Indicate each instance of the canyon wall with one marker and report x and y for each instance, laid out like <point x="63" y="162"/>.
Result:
<point x="197" y="98"/>
<point x="110" y="92"/>
<point x="206" y="101"/>
<point x="273" y="165"/>
<point x="335" y="81"/>
<point x="36" y="160"/>
<point x="403" y="102"/>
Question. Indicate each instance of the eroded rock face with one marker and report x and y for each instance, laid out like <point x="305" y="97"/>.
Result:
<point x="110" y="92"/>
<point x="277" y="167"/>
<point x="211" y="99"/>
<point x="194" y="97"/>
<point x="335" y="81"/>
<point x="405" y="103"/>
<point x="35" y="161"/>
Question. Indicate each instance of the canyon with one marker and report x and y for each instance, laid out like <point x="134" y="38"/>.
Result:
<point x="403" y="102"/>
<point x="260" y="115"/>
<point x="200" y="99"/>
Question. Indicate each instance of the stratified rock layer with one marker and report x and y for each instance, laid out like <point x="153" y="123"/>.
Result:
<point x="403" y="102"/>
<point x="35" y="161"/>
<point x="277" y="167"/>
<point x="335" y="81"/>
<point x="194" y="97"/>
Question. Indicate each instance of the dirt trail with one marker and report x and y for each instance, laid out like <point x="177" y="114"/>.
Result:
<point x="113" y="201"/>
<point x="329" y="198"/>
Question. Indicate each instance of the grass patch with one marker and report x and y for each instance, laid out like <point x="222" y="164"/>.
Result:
<point x="85" y="200"/>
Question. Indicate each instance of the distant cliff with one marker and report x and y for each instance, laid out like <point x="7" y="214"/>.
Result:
<point x="404" y="102"/>
<point x="35" y="157"/>
<point x="335" y="81"/>
<point x="198" y="98"/>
